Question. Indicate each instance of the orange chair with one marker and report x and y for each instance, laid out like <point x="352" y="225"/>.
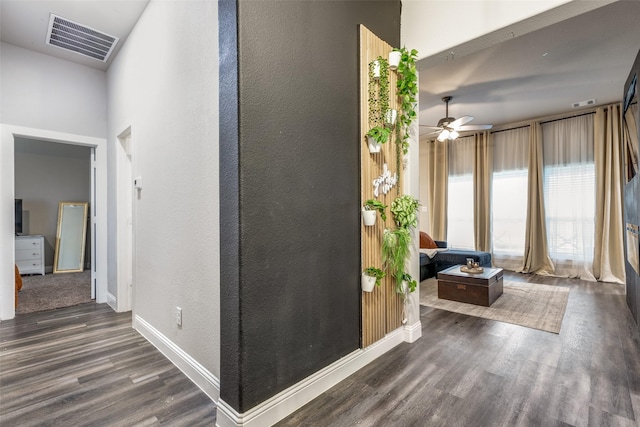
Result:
<point x="18" y="283"/>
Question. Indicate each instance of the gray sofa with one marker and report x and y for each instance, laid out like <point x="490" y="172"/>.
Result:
<point x="429" y="267"/>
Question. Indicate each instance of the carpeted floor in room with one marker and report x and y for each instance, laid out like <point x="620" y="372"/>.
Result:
<point x="50" y="291"/>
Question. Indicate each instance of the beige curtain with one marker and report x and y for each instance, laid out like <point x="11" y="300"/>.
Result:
<point x="438" y="175"/>
<point x="608" y="260"/>
<point x="482" y="170"/>
<point x="536" y="249"/>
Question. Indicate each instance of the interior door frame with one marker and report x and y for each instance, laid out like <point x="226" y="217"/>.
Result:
<point x="8" y="133"/>
<point x="126" y="202"/>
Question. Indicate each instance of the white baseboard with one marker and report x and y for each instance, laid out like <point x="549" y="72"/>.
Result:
<point x="288" y="401"/>
<point x="412" y="332"/>
<point x="111" y="300"/>
<point x="197" y="373"/>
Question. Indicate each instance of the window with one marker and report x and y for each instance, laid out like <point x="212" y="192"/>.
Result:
<point x="460" y="212"/>
<point x="570" y="211"/>
<point x="460" y="194"/>
<point x="569" y="195"/>
<point x="509" y="211"/>
<point x="509" y="197"/>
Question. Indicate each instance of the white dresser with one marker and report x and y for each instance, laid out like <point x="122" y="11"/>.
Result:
<point x="30" y="254"/>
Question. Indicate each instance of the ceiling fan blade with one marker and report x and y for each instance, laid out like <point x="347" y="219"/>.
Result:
<point x="435" y="132"/>
<point x="474" y="127"/>
<point x="459" y="122"/>
<point x="431" y="127"/>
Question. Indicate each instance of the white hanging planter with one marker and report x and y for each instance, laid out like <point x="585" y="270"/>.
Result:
<point x="368" y="282"/>
<point x="394" y="59"/>
<point x="376" y="69"/>
<point x="404" y="287"/>
<point x="369" y="217"/>
<point x="390" y="117"/>
<point x="374" y="146"/>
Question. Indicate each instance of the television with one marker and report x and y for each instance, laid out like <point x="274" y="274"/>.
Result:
<point x="18" y="215"/>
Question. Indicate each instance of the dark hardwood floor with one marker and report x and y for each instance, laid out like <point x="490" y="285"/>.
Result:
<point x="468" y="371"/>
<point x="84" y="365"/>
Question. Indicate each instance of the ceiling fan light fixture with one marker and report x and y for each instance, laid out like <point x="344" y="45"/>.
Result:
<point x="448" y="127"/>
<point x="445" y="121"/>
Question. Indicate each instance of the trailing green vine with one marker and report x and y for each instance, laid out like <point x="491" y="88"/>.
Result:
<point x="412" y="284"/>
<point x="407" y="91"/>
<point x="395" y="251"/>
<point x="396" y="244"/>
<point x="378" y="101"/>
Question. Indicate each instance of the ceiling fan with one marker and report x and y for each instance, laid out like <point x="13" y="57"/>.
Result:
<point x="449" y="127"/>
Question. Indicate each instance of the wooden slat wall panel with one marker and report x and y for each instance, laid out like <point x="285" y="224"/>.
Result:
<point x="382" y="308"/>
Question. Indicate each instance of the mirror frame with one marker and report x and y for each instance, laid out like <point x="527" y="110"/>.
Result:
<point x="61" y="231"/>
<point x="630" y="123"/>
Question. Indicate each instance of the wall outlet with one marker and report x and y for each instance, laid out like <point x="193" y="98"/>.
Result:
<point x="178" y="316"/>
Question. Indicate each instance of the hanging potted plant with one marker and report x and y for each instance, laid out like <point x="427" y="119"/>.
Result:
<point x="409" y="284"/>
<point x="370" y="209"/>
<point x="376" y="69"/>
<point x="394" y="59"/>
<point x="371" y="277"/>
<point x="390" y="117"/>
<point x="405" y="211"/>
<point x="377" y="136"/>
<point x="378" y="104"/>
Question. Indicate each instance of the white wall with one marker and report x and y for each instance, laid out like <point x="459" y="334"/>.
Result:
<point x="433" y="26"/>
<point x="164" y="85"/>
<point x="55" y="100"/>
<point x="43" y="92"/>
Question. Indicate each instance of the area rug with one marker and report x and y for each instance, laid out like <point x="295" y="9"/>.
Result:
<point x="50" y="291"/>
<point x="526" y="304"/>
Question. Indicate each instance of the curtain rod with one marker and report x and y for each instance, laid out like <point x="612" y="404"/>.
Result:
<point x="550" y="119"/>
<point x="567" y="117"/>
<point x="504" y="130"/>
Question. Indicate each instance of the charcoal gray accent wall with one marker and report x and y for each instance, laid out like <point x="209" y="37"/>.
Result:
<point x="230" y="349"/>
<point x="290" y="208"/>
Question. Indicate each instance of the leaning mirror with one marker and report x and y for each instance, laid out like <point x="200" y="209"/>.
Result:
<point x="70" y="237"/>
<point x="630" y="130"/>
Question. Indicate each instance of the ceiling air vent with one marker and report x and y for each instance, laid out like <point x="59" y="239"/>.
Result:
<point x="584" y="103"/>
<point x="78" y="38"/>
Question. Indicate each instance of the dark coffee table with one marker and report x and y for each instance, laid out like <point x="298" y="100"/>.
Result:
<point x="473" y="288"/>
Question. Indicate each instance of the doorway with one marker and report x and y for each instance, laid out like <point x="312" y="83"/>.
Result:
<point x="126" y="220"/>
<point x="46" y="174"/>
<point x="98" y="218"/>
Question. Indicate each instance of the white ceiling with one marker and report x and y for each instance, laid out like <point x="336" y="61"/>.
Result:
<point x="537" y="74"/>
<point x="24" y="23"/>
